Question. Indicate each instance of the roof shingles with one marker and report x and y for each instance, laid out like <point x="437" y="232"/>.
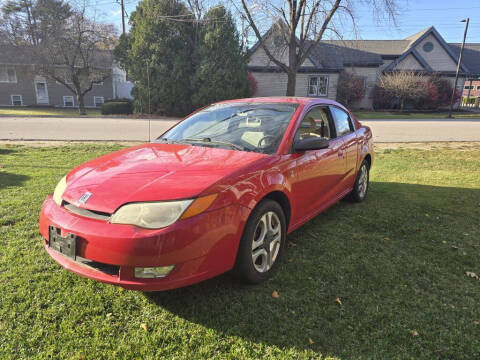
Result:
<point x="336" y="54"/>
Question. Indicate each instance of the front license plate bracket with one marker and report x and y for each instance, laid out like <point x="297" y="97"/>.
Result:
<point x="64" y="245"/>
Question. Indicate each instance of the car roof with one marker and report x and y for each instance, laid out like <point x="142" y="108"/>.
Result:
<point x="283" y="99"/>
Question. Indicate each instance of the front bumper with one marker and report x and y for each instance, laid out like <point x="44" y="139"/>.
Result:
<point x="200" y="247"/>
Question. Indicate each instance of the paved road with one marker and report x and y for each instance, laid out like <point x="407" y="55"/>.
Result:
<point x="424" y="130"/>
<point x="37" y="128"/>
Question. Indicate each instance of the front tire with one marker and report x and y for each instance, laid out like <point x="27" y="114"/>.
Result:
<point x="360" y="189"/>
<point x="262" y="243"/>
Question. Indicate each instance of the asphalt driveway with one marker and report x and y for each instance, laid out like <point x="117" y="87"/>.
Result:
<point x="117" y="129"/>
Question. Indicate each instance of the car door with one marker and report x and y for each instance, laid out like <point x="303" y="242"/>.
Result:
<point x="318" y="173"/>
<point x="345" y="130"/>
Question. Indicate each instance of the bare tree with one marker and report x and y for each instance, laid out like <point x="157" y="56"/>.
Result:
<point x="78" y="55"/>
<point x="303" y="24"/>
<point x="68" y="46"/>
<point x="403" y="85"/>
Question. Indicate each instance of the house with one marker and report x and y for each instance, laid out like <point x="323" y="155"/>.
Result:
<point x="471" y="89"/>
<point x="22" y="85"/>
<point x="424" y="52"/>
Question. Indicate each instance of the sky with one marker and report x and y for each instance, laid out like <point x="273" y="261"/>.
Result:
<point x="413" y="16"/>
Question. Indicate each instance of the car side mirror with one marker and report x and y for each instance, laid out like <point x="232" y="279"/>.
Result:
<point x="310" y="143"/>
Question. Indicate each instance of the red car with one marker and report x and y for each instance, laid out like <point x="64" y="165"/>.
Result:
<point x="218" y="191"/>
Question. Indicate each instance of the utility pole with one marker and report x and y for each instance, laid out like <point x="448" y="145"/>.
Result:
<point x="458" y="67"/>
<point x="123" y="16"/>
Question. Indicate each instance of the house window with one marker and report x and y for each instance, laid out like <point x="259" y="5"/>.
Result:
<point x="467" y="87"/>
<point x="17" y="100"/>
<point x="68" y="101"/>
<point x="428" y="46"/>
<point x="8" y="75"/>
<point x="478" y="87"/>
<point x="98" y="101"/>
<point x="318" y="85"/>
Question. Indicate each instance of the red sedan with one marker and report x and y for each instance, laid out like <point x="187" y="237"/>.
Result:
<point x="218" y="191"/>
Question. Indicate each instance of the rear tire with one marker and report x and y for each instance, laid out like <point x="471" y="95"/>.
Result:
<point x="360" y="189"/>
<point x="262" y="243"/>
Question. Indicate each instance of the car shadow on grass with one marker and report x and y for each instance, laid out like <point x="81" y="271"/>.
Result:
<point x="8" y="179"/>
<point x="6" y="151"/>
<point x="359" y="279"/>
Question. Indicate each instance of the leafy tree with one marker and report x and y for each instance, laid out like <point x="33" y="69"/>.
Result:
<point x="157" y="54"/>
<point x="382" y="99"/>
<point x="428" y="99"/>
<point x="253" y="83"/>
<point x="444" y="90"/>
<point x="350" y="88"/>
<point x="222" y="69"/>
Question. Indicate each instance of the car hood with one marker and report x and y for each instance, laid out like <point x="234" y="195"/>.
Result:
<point x="151" y="172"/>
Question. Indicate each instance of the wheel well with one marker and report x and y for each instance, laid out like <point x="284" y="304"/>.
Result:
<point x="282" y="199"/>
<point x="368" y="159"/>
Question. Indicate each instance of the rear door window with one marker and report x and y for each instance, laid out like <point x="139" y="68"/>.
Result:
<point x="343" y="123"/>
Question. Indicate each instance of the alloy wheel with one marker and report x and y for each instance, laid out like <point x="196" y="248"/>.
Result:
<point x="266" y="241"/>
<point x="363" y="181"/>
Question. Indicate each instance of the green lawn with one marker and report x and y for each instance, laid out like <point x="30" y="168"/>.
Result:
<point x="45" y="111"/>
<point x="397" y="262"/>
<point x="366" y="115"/>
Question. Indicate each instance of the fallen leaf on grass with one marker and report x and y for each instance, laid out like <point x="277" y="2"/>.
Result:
<point x="275" y="294"/>
<point x="144" y="327"/>
<point x="414" y="333"/>
<point x="472" y="275"/>
<point x="476" y="322"/>
<point x="109" y="314"/>
<point x="338" y="301"/>
<point x="291" y="244"/>
<point x="427" y="215"/>
<point x="310" y="341"/>
<point x="290" y="260"/>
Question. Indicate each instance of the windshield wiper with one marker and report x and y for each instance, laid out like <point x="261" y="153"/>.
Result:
<point x="208" y="140"/>
<point x="169" y="141"/>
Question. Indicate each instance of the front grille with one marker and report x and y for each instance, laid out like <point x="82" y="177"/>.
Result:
<point x="112" y="270"/>
<point x="92" y="214"/>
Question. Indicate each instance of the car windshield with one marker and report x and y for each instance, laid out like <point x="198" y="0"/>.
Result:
<point x="257" y="127"/>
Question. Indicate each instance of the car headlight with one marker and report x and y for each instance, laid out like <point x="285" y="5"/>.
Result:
<point x="59" y="190"/>
<point x="156" y="215"/>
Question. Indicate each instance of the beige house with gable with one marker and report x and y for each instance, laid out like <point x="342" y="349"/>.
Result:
<point x="425" y="52"/>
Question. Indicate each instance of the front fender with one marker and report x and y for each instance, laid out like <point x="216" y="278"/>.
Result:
<point x="252" y="185"/>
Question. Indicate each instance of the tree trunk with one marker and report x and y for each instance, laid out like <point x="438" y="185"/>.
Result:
<point x="81" y="105"/>
<point x="292" y="66"/>
<point x="402" y="104"/>
<point x="291" y="81"/>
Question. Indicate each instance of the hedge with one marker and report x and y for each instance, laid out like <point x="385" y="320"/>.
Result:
<point x="117" y="107"/>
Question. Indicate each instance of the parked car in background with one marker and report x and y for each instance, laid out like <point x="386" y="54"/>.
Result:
<point x="218" y="191"/>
